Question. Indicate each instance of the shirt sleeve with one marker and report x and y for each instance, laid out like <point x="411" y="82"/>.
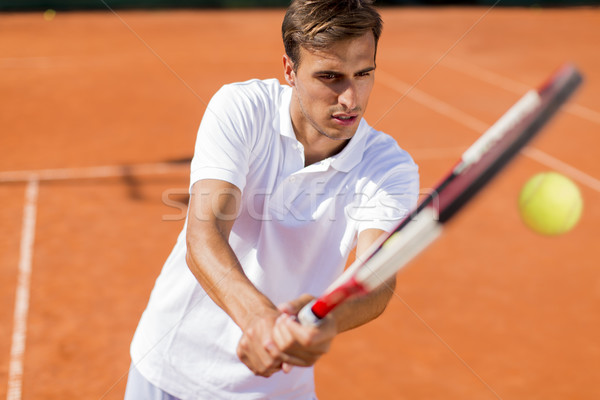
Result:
<point x="388" y="201"/>
<point x="222" y="148"/>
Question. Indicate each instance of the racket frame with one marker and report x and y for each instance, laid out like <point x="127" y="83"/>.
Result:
<point x="484" y="159"/>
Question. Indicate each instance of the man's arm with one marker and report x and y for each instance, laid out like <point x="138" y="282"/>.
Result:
<point x="214" y="206"/>
<point x="361" y="310"/>
<point x="302" y="345"/>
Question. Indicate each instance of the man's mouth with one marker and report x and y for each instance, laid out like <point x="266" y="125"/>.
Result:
<point x="345" y="119"/>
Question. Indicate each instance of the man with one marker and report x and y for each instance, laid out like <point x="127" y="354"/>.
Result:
<point x="285" y="181"/>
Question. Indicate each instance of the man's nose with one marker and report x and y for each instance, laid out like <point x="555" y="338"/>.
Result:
<point x="347" y="97"/>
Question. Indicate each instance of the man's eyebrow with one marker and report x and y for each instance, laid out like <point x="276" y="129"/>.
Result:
<point x="368" y="69"/>
<point x="327" y="72"/>
<point x="333" y="72"/>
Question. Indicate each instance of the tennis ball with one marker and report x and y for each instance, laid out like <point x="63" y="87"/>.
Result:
<point x="49" y="14"/>
<point x="550" y="203"/>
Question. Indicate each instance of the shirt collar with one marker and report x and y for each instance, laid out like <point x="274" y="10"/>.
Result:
<point x="285" y="119"/>
<point x="350" y="155"/>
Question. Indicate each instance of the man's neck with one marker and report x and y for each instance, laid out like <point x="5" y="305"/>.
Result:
<point x="317" y="147"/>
<point x="314" y="156"/>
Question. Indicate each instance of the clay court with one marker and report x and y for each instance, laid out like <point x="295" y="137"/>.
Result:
<point x="100" y="111"/>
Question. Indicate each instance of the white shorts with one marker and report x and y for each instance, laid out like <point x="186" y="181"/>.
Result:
<point x="139" y="388"/>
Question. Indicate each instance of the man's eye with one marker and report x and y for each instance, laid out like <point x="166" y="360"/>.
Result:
<point x="328" y="76"/>
<point x="364" y="73"/>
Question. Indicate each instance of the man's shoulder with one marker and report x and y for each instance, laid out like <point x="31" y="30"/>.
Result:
<point x="254" y="100"/>
<point x="256" y="90"/>
<point x="385" y="150"/>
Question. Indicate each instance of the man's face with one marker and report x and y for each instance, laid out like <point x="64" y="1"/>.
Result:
<point x="332" y="88"/>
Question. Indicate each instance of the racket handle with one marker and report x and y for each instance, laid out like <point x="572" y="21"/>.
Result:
<point x="307" y="317"/>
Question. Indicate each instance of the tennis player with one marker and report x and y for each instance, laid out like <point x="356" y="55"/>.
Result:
<point x="285" y="181"/>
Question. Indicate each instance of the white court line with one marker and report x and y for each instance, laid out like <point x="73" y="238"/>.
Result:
<point x="17" y="351"/>
<point x="513" y="86"/>
<point x="109" y="171"/>
<point x="480" y="126"/>
<point x="32" y="178"/>
<point x="438" y="152"/>
<point x="25" y="62"/>
<point x="559" y="165"/>
<point x="431" y="102"/>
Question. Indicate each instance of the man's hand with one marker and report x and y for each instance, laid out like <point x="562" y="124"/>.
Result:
<point x="257" y="348"/>
<point x="296" y="344"/>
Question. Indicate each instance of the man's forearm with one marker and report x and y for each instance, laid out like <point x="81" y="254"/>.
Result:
<point x="210" y="257"/>
<point x="217" y="269"/>
<point x="359" y="311"/>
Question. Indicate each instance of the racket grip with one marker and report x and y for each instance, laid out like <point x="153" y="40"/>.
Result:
<point x="307" y="317"/>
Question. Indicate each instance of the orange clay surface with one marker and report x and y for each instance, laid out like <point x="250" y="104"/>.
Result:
<point x="491" y="310"/>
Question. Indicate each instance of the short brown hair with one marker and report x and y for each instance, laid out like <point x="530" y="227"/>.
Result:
<point x="317" y="24"/>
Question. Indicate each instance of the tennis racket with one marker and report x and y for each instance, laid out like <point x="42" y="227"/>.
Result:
<point x="476" y="167"/>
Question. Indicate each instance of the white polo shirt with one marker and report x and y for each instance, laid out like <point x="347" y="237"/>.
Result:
<point x="293" y="235"/>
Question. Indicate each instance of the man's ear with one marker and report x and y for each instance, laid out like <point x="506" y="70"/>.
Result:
<point x="288" y="70"/>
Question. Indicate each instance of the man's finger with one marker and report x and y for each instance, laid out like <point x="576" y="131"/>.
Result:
<point x="308" y="336"/>
<point x="293" y="307"/>
<point x="299" y="342"/>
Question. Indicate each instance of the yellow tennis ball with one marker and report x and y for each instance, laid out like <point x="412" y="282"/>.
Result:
<point x="550" y="203"/>
<point x="49" y="14"/>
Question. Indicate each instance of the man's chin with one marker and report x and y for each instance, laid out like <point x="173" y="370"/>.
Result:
<point x="340" y="134"/>
<point x="337" y="136"/>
